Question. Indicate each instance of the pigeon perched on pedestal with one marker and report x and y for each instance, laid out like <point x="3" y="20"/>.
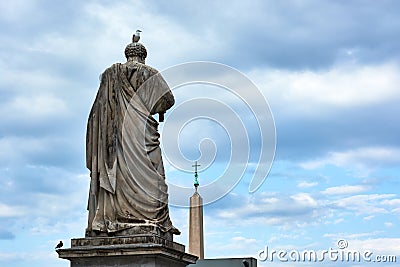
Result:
<point x="59" y="245"/>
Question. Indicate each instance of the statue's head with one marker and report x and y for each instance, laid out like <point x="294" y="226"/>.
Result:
<point x="136" y="51"/>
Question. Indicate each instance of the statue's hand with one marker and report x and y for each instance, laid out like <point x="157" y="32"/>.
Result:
<point x="161" y="116"/>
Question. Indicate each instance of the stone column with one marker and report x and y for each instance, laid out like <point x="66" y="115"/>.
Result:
<point x="196" y="235"/>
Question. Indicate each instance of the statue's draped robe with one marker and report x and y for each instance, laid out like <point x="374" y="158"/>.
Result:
<point x="122" y="150"/>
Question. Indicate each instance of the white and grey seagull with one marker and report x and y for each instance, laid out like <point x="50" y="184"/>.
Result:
<point x="136" y="36"/>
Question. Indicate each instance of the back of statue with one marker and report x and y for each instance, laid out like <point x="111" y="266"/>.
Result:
<point x="128" y="193"/>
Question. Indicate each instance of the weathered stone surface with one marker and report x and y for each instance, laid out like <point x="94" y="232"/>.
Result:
<point x="196" y="235"/>
<point x="139" y="229"/>
<point x="129" y="261"/>
<point x="226" y="262"/>
<point x="132" y="251"/>
<point x="123" y="152"/>
<point x="130" y="241"/>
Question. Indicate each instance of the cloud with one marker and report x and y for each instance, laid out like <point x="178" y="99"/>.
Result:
<point x="342" y="86"/>
<point x="364" y="157"/>
<point x="15" y="11"/>
<point x="305" y="184"/>
<point x="339" y="236"/>
<point x="388" y="224"/>
<point x="42" y="151"/>
<point x="393" y="204"/>
<point x="300" y="210"/>
<point x="305" y="199"/>
<point x="291" y="34"/>
<point x="54" y="202"/>
<point x="37" y="107"/>
<point x="369" y="217"/>
<point x="10" y="211"/>
<point x="275" y="209"/>
<point x="345" y="190"/>
<point x="34" y="256"/>
<point x="332" y="110"/>
<point x="160" y="33"/>
<point x="243" y="240"/>
<point x="6" y="235"/>
<point x="237" y="246"/>
<point x="364" y="204"/>
<point x="382" y="246"/>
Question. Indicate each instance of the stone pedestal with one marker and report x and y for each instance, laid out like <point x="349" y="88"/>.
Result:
<point x="128" y="251"/>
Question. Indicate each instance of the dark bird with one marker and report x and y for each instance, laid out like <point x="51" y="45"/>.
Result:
<point x="245" y="263"/>
<point x="59" y="245"/>
<point x="136" y="36"/>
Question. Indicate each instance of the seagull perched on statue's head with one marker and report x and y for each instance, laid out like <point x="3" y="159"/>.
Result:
<point x="136" y="36"/>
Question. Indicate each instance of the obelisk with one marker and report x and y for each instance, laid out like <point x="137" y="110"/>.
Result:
<point x="196" y="234"/>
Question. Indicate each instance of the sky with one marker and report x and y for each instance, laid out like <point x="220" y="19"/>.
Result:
<point x="327" y="72"/>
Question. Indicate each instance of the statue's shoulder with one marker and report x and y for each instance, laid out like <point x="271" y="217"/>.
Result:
<point x="112" y="69"/>
<point x="144" y="69"/>
<point x="151" y="70"/>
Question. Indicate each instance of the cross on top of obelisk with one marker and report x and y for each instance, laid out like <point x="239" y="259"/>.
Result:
<point x="196" y="176"/>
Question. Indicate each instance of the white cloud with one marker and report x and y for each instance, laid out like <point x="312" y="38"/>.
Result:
<point x="359" y="158"/>
<point x="305" y="184"/>
<point x="160" y="34"/>
<point x="37" y="256"/>
<point x="342" y="86"/>
<point x="388" y="224"/>
<point x="391" y="202"/>
<point x="364" y="204"/>
<point x="269" y="200"/>
<point x="304" y="199"/>
<point x="10" y="211"/>
<point x="34" y="107"/>
<point x="338" y="221"/>
<point x="17" y="149"/>
<point x="284" y="211"/>
<point x="277" y="237"/>
<point x="44" y="226"/>
<point x="237" y="246"/>
<point x="244" y="240"/>
<point x="382" y="246"/>
<point x="15" y="11"/>
<point x="347" y="236"/>
<point x="345" y="189"/>
<point x="368" y="218"/>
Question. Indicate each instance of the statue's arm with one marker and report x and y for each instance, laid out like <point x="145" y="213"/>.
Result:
<point x="166" y="101"/>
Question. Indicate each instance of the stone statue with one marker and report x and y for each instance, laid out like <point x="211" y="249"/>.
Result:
<point x="127" y="189"/>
